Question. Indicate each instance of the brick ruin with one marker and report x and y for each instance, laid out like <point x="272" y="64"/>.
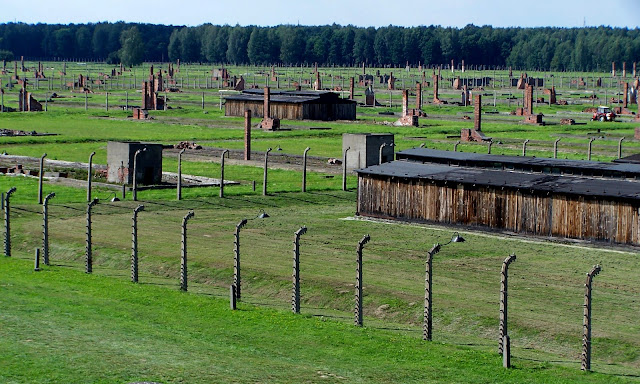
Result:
<point x="26" y="102"/>
<point x="268" y="123"/>
<point x="317" y="85"/>
<point x="613" y="69"/>
<point x="370" y="97"/>
<point x="624" y="110"/>
<point x="151" y="89"/>
<point x="239" y="84"/>
<point x="409" y="118"/>
<point x="624" y="69"/>
<point x="140" y="114"/>
<point x="552" y="94"/>
<point x="436" y="98"/>
<point x="475" y="134"/>
<point x="24" y="69"/>
<point x="527" y="109"/>
<point x="391" y="84"/>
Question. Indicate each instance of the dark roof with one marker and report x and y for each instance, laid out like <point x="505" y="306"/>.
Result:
<point x="562" y="184"/>
<point x="528" y="164"/>
<point x="634" y="159"/>
<point x="295" y="97"/>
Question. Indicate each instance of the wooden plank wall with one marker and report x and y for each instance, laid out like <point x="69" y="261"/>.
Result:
<point x="539" y="214"/>
<point x="292" y="111"/>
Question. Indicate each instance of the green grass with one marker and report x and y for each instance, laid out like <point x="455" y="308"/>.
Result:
<point x="60" y="325"/>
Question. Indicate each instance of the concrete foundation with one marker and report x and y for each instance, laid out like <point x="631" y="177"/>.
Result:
<point x="120" y="162"/>
<point x="364" y="149"/>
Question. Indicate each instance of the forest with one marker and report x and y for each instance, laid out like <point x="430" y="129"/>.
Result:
<point x="556" y="49"/>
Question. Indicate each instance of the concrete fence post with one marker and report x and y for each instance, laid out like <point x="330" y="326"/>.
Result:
<point x="7" y="221"/>
<point x="226" y="151"/>
<point x="183" y="258"/>
<point x="179" y="186"/>
<point x="620" y="147"/>
<point x="45" y="227"/>
<point x="503" y="301"/>
<point x="380" y="153"/>
<point x="89" y="176"/>
<point x="236" y="258"/>
<point x="135" y="173"/>
<point x="506" y="354"/>
<point x="586" y="323"/>
<point x="264" y="176"/>
<point x="455" y="146"/>
<point x="41" y="178"/>
<point x="36" y="261"/>
<point x="489" y="147"/>
<point x="591" y="140"/>
<point x="304" y="169"/>
<point x="88" y="257"/>
<point x="427" y="323"/>
<point x="358" y="298"/>
<point x="134" y="243"/>
<point x="555" y="148"/>
<point x="524" y="148"/>
<point x="344" y="169"/>
<point x="295" y="296"/>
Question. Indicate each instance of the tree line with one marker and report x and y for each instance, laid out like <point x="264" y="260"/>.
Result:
<point x="557" y="49"/>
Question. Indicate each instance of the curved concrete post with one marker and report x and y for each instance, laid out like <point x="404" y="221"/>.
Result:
<point x="41" y="178"/>
<point x="358" y="298"/>
<point x="524" y="148"/>
<point x="591" y="140"/>
<point x="7" y="221"/>
<point x="226" y="151"/>
<point x="45" y="227"/>
<point x="134" y="243"/>
<point x="236" y="258"/>
<point x="427" y="323"/>
<point x="135" y="173"/>
<point x="555" y="148"/>
<point x="89" y="176"/>
<point x="380" y="153"/>
<point x="304" y="170"/>
<point x="620" y="147"/>
<point x="586" y="323"/>
<point x="264" y="176"/>
<point x="344" y="169"/>
<point x="88" y="256"/>
<point x="295" y="295"/>
<point x="489" y="147"/>
<point x="455" y="146"/>
<point x="503" y="300"/>
<point x="179" y="186"/>
<point x="183" y="258"/>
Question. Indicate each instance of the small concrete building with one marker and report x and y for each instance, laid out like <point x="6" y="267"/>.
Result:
<point x="364" y="149"/>
<point x="120" y="162"/>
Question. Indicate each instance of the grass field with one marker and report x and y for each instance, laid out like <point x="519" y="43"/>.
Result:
<point x="50" y="321"/>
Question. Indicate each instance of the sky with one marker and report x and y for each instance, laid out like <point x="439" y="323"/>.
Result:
<point x="363" y="13"/>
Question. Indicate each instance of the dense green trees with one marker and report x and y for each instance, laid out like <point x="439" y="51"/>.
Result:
<point x="522" y="48"/>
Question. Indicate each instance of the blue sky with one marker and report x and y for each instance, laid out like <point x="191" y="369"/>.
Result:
<point x="456" y="13"/>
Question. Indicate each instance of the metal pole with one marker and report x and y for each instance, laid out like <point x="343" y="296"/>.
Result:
<point x="134" y="243"/>
<point x="555" y="148"/>
<point x="88" y="261"/>
<point x="41" y="178"/>
<point x="344" y="169"/>
<point x="620" y="147"/>
<point x="89" y="174"/>
<point x="503" y="300"/>
<point x="427" y="323"/>
<point x="586" y="324"/>
<point x="135" y="173"/>
<point x="295" y="296"/>
<point x="45" y="227"/>
<point x="183" y="259"/>
<point x="358" y="299"/>
<point x="180" y="174"/>
<point x="264" y="177"/>
<point x="7" y="222"/>
<point x="236" y="258"/>
<point x="226" y="151"/>
<point x="304" y="170"/>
